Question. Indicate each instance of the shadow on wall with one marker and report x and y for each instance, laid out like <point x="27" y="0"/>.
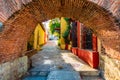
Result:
<point x="102" y="62"/>
<point x="1" y="27"/>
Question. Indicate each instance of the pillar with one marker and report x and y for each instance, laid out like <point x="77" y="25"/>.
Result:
<point x="94" y="42"/>
<point x="78" y="35"/>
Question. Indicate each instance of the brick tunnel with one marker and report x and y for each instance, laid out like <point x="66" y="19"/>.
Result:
<point x="20" y="17"/>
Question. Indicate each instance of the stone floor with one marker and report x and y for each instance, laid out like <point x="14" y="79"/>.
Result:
<point x="51" y="63"/>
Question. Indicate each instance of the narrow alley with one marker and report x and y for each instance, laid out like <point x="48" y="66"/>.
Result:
<point x="59" y="39"/>
<point x="51" y="63"/>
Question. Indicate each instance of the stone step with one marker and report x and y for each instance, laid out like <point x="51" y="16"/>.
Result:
<point x="91" y="78"/>
<point x="52" y="67"/>
<point x="34" y="78"/>
<point x="38" y="73"/>
<point x="89" y="73"/>
<point x="53" y="75"/>
<point x="64" y="75"/>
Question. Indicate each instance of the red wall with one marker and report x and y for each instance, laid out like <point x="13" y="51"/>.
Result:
<point x="78" y="34"/>
<point x="75" y="50"/>
<point x="91" y="57"/>
<point x="94" y="42"/>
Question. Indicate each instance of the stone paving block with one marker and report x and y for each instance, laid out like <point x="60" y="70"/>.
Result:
<point x="91" y="78"/>
<point x="56" y="65"/>
<point x="38" y="73"/>
<point x="64" y="75"/>
<point x="44" y="74"/>
<point x="52" y="67"/>
<point x="34" y="78"/>
<point x="64" y="67"/>
<point x="33" y="73"/>
<point x="42" y="68"/>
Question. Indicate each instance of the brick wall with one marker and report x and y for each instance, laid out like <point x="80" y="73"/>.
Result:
<point x="109" y="67"/>
<point x="20" y="25"/>
<point x="113" y="6"/>
<point x="13" y="40"/>
<point x="7" y="8"/>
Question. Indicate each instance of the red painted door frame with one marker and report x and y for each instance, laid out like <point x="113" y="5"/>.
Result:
<point x="94" y="42"/>
<point x="78" y="34"/>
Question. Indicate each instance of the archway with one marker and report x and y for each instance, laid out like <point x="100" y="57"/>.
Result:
<point x="20" y="25"/>
<point x="36" y="11"/>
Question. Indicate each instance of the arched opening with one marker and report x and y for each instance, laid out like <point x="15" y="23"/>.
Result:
<point x="94" y="17"/>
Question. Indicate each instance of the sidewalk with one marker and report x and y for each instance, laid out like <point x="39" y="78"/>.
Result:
<point x="54" y="64"/>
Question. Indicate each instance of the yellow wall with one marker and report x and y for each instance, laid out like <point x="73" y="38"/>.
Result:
<point x="63" y="28"/>
<point x="39" y="36"/>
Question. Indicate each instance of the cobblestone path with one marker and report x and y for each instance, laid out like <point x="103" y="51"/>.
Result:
<point x="51" y="63"/>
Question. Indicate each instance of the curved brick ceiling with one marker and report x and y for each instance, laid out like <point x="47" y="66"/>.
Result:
<point x="20" y="25"/>
<point x="8" y="7"/>
<point x="112" y="6"/>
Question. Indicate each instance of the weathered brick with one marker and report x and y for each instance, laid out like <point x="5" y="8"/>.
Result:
<point x="14" y="69"/>
<point x="21" y="24"/>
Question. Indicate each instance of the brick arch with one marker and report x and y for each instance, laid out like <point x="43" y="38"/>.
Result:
<point x="20" y="25"/>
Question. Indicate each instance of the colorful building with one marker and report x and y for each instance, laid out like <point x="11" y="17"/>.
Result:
<point x="63" y="28"/>
<point x="85" y="44"/>
<point x="38" y="38"/>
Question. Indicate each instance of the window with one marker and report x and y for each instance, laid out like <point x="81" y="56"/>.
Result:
<point x="86" y="38"/>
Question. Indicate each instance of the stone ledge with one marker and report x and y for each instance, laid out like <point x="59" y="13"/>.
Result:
<point x="15" y="69"/>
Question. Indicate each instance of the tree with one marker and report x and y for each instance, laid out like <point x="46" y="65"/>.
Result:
<point x="67" y="32"/>
<point x="54" y="23"/>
